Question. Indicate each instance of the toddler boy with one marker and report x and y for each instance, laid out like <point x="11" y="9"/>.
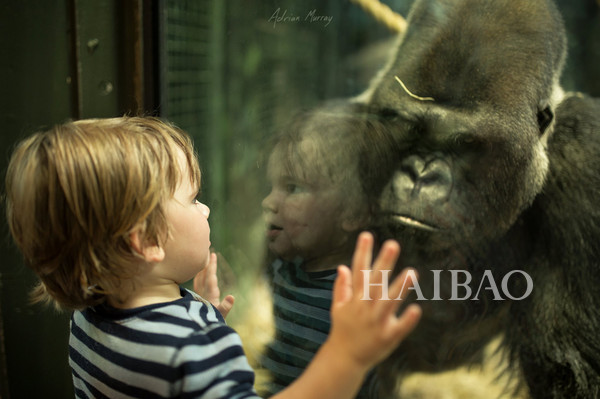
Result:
<point x="105" y="212"/>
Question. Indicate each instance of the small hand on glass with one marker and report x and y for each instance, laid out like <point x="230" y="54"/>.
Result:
<point x="369" y="329"/>
<point x="206" y="285"/>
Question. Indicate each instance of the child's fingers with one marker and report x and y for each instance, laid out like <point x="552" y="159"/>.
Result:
<point x="212" y="282"/>
<point x="200" y="281"/>
<point x="212" y="264"/>
<point x="206" y="283"/>
<point x="226" y="305"/>
<point x="361" y="260"/>
<point x="407" y="321"/>
<point x="383" y="265"/>
<point x="398" y="290"/>
<point x="387" y="257"/>
<point x="342" y="287"/>
<point x="399" y="287"/>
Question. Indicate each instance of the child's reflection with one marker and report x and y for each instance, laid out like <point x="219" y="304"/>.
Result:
<point x="313" y="213"/>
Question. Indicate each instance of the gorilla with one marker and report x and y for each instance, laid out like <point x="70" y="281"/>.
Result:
<point x="487" y="167"/>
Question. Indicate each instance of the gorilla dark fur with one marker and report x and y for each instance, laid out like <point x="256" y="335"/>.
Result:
<point x="488" y="164"/>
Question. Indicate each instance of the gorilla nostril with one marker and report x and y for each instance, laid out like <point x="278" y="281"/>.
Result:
<point x="430" y="178"/>
<point x="423" y="173"/>
<point x="437" y="171"/>
<point x="414" y="166"/>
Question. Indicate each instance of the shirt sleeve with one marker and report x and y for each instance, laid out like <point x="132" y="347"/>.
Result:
<point x="213" y="365"/>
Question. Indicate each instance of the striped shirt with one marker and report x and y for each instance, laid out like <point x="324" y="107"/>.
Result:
<point x="180" y="349"/>
<point x="301" y="311"/>
<point x="301" y="303"/>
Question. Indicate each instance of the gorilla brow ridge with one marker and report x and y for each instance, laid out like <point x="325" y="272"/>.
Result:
<point x="411" y="94"/>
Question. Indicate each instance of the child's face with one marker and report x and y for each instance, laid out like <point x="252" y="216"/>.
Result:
<point x="187" y="247"/>
<point x="302" y="217"/>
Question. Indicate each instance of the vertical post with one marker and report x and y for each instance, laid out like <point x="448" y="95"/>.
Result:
<point x="4" y="392"/>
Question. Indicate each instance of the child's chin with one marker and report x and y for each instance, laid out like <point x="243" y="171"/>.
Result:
<point x="285" y="256"/>
<point x="275" y="249"/>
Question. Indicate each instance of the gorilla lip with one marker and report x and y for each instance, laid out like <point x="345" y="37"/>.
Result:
<point x="410" y="222"/>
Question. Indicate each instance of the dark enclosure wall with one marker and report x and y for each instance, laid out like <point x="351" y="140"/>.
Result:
<point x="61" y="60"/>
<point x="35" y="92"/>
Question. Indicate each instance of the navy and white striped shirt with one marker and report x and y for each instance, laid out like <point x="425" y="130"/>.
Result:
<point x="301" y="311"/>
<point x="179" y="349"/>
<point x="301" y="304"/>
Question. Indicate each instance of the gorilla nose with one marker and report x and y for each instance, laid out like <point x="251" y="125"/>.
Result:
<point x="428" y="179"/>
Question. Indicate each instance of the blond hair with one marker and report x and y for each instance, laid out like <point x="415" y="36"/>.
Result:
<point x="76" y="192"/>
<point x="327" y="143"/>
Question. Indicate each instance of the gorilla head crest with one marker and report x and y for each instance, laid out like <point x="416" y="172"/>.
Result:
<point x="468" y="101"/>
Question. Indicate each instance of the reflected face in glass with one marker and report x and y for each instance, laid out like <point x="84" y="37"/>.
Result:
<point x="302" y="212"/>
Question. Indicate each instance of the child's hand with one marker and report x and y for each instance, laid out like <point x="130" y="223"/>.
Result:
<point x="207" y="286"/>
<point x="366" y="331"/>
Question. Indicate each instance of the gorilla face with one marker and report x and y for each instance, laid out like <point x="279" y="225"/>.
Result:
<point x="466" y="102"/>
<point x="452" y="176"/>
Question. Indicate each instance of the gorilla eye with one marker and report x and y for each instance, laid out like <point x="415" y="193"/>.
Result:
<point x="388" y="113"/>
<point x="465" y="142"/>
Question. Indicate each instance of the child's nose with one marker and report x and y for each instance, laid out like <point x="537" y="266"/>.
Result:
<point x="205" y="210"/>
<point x="269" y="203"/>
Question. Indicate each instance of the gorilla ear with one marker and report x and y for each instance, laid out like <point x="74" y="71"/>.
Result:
<point x="544" y="118"/>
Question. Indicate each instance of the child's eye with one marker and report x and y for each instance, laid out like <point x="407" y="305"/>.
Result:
<point x="293" y="188"/>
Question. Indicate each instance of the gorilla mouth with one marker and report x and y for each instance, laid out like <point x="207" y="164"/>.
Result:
<point x="414" y="223"/>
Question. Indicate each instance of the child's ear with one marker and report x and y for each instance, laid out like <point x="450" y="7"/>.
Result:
<point x="152" y="253"/>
